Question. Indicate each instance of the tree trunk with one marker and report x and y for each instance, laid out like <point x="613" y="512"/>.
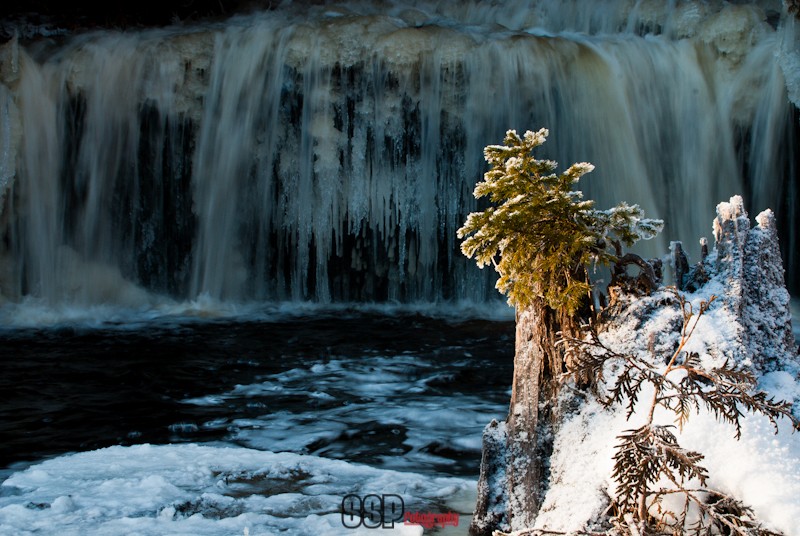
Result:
<point x="524" y="466"/>
<point x="520" y="469"/>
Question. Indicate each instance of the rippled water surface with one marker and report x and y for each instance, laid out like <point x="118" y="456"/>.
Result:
<point x="403" y="392"/>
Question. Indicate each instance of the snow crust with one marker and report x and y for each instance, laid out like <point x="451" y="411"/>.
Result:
<point x="206" y="490"/>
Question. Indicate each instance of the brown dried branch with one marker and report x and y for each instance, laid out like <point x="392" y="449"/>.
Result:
<point x="648" y="454"/>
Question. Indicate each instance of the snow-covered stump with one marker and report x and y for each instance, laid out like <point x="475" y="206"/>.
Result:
<point x="749" y="261"/>
<point x="731" y="228"/>
<point x="510" y="483"/>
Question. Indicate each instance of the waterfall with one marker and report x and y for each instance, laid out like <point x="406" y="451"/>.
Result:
<point x="328" y="153"/>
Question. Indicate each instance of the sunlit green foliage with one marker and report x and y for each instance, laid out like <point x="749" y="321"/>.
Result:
<point x="540" y="234"/>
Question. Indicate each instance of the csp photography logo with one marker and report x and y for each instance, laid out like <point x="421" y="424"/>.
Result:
<point x="383" y="511"/>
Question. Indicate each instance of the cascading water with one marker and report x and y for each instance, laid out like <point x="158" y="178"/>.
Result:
<point x="328" y="153"/>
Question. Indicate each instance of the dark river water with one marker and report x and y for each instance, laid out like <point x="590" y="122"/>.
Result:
<point x="396" y="391"/>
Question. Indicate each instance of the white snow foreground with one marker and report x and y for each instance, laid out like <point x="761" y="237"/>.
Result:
<point x="749" y="322"/>
<point x="203" y="490"/>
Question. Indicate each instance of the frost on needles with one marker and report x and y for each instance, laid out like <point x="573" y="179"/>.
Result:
<point x="541" y="235"/>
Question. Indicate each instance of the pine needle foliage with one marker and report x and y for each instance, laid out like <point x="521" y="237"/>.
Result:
<point x="540" y="234"/>
<point x="649" y="456"/>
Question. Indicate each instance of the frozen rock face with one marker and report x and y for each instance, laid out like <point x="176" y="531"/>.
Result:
<point x="789" y="57"/>
<point x="10" y="131"/>
<point x="9" y="141"/>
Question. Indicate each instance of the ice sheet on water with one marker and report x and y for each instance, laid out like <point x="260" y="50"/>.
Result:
<point x="206" y="490"/>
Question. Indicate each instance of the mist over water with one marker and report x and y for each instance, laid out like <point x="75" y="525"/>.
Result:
<point x="328" y="153"/>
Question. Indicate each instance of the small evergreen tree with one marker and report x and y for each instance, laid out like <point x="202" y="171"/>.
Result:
<point x="542" y="235"/>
